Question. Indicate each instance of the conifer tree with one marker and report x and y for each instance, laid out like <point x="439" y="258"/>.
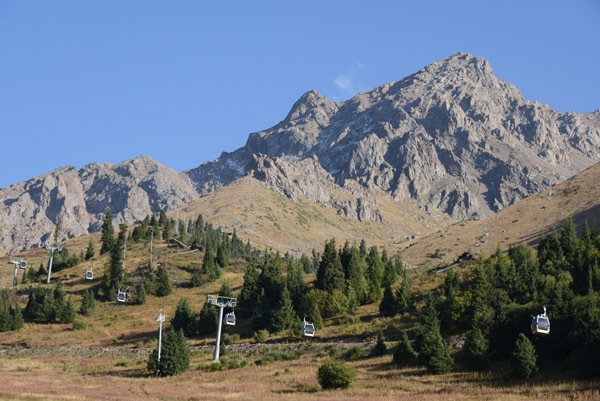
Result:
<point x="315" y="318"/>
<point x="174" y="358"/>
<point x="67" y="314"/>
<point x="330" y="275"/>
<point x="108" y="234"/>
<point x="223" y="255"/>
<point x="375" y="264"/>
<point x="207" y="320"/>
<point x="356" y="275"/>
<point x="380" y="347"/>
<point x="523" y="358"/>
<point x="17" y="318"/>
<point x="432" y="350"/>
<point x="166" y="230"/>
<point x="184" y="318"/>
<point x="225" y="290"/>
<point x="284" y="316"/>
<point x="115" y="279"/>
<point x="249" y="296"/>
<point x="140" y="298"/>
<point x="89" y="253"/>
<point x="405" y="299"/>
<point x="404" y="355"/>
<point x="295" y="284"/>
<point x="476" y="349"/>
<point x="387" y="307"/>
<point x="162" y="283"/>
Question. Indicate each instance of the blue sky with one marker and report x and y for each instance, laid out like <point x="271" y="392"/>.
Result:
<point x="182" y="81"/>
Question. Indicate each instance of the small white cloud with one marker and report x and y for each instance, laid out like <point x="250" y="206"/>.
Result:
<point x="348" y="83"/>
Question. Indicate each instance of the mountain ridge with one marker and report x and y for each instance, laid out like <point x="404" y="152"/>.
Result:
<point x="451" y="136"/>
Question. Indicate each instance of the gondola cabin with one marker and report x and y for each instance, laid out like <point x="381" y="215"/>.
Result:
<point x="230" y="319"/>
<point x="540" y="325"/>
<point x="121" y="296"/>
<point x="308" y="329"/>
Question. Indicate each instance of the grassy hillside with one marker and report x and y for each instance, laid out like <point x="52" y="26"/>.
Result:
<point x="269" y="219"/>
<point x="523" y="222"/>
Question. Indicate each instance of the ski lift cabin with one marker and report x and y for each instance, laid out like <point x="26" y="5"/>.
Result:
<point x="121" y="296"/>
<point x="308" y="329"/>
<point x="540" y="325"/>
<point x="230" y="318"/>
<point x="23" y="264"/>
<point x="89" y="274"/>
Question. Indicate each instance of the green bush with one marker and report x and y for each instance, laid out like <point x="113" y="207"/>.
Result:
<point x="261" y="336"/>
<point x="79" y="325"/>
<point x="353" y="353"/>
<point x="335" y="374"/>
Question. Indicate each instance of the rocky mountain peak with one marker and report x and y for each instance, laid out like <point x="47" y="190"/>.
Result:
<point x="451" y="136"/>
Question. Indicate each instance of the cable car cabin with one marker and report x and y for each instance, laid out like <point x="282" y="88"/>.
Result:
<point x="308" y="329"/>
<point x="23" y="264"/>
<point x="540" y="325"/>
<point x="89" y="275"/>
<point x="230" y="319"/>
<point x="121" y="296"/>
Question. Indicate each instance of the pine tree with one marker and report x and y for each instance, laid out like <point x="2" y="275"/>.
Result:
<point x="405" y="299"/>
<point x="140" y="299"/>
<point x="67" y="314"/>
<point x="404" y="355"/>
<point x="89" y="253"/>
<point x="116" y="274"/>
<point x="223" y="255"/>
<point x="88" y="303"/>
<point x="432" y="350"/>
<point x="166" y="230"/>
<point x="523" y="358"/>
<point x="388" y="302"/>
<point x="363" y="248"/>
<point x="184" y="318"/>
<point x="315" y="318"/>
<point x="284" y="316"/>
<point x="225" y="290"/>
<point x="330" y="275"/>
<point x="108" y="234"/>
<point x="17" y="318"/>
<point x="207" y="320"/>
<point x="162" y="283"/>
<point x="295" y="284"/>
<point x="380" y="347"/>
<point x="375" y="265"/>
<point x="249" y="296"/>
<point x="476" y="349"/>
<point x="174" y="358"/>
<point x="356" y="275"/>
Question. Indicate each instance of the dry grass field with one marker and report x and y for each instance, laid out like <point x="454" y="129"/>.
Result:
<point x="523" y="222"/>
<point x="57" y="377"/>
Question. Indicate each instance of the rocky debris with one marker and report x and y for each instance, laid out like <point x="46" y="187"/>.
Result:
<point x="78" y="200"/>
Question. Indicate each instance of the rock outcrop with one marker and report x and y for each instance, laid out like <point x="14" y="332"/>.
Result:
<point x="78" y="200"/>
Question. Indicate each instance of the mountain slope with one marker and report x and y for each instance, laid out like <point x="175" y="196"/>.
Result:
<point x="452" y="136"/>
<point x="524" y="222"/>
<point x="270" y="219"/>
<point x="78" y="200"/>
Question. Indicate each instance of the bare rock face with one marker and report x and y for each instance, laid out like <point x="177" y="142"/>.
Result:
<point x="452" y="136"/>
<point x="78" y="200"/>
